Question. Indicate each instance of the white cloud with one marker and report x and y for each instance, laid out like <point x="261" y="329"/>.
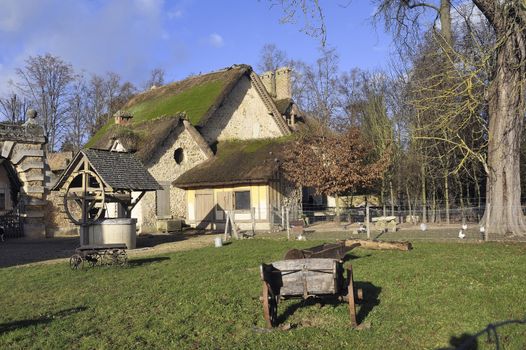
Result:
<point x="216" y="40"/>
<point x="96" y="36"/>
<point x="174" y="14"/>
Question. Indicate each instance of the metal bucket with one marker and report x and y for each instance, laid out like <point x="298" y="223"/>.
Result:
<point x="218" y="242"/>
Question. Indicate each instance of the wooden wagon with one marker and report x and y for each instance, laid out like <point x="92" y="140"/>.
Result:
<point x="103" y="254"/>
<point x="304" y="278"/>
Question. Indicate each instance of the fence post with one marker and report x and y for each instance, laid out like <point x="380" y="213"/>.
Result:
<point x="287" y="223"/>
<point x="283" y="216"/>
<point x="367" y="220"/>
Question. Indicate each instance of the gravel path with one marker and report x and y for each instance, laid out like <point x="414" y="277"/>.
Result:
<point x="23" y="251"/>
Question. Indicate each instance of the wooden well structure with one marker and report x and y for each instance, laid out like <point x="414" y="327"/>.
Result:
<point x="95" y="178"/>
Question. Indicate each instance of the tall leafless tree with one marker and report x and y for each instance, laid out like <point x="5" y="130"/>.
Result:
<point x="271" y="58"/>
<point x="45" y="80"/>
<point x="156" y="78"/>
<point x="14" y="108"/>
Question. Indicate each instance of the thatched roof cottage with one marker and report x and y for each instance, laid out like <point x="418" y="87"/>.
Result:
<point x="214" y="143"/>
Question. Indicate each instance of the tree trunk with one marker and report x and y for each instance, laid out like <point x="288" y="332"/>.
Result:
<point x="409" y="203"/>
<point x="460" y="196"/>
<point x="392" y="198"/>
<point x="506" y="111"/>
<point x="445" y="23"/>
<point x="337" y="219"/>
<point x="477" y="191"/>
<point x="446" y="195"/>
<point x="424" y="199"/>
<point x="382" y="195"/>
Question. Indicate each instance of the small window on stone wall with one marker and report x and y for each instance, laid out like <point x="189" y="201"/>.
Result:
<point x="179" y="155"/>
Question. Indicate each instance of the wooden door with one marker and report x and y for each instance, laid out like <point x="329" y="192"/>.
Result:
<point x="224" y="202"/>
<point x="204" y="208"/>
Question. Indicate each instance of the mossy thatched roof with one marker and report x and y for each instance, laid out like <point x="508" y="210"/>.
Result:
<point x="197" y="97"/>
<point x="141" y="139"/>
<point x="236" y="163"/>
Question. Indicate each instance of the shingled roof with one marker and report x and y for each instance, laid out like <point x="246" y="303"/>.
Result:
<point x="119" y="170"/>
<point x="237" y="163"/>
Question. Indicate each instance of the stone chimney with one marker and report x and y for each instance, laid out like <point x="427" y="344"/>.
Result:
<point x="278" y="83"/>
<point x="269" y="80"/>
<point x="122" y="118"/>
<point x="283" y="83"/>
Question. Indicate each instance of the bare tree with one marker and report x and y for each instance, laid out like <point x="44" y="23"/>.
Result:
<point x="316" y="87"/>
<point x="45" y="81"/>
<point x="112" y="90"/>
<point x="14" y="108"/>
<point x="77" y="117"/>
<point x="504" y="91"/>
<point x="271" y="58"/>
<point x="96" y="97"/>
<point x="156" y="78"/>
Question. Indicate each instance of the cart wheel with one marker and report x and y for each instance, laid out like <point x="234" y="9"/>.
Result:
<point x="270" y="306"/>
<point x="121" y="258"/>
<point x="116" y="257"/>
<point x="75" y="262"/>
<point x="93" y="259"/>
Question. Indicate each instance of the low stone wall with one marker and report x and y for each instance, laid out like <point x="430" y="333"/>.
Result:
<point x="56" y="220"/>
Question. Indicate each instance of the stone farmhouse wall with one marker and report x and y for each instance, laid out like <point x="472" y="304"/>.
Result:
<point x="165" y="169"/>
<point x="243" y="116"/>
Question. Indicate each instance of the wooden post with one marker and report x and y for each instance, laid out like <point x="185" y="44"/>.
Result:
<point x="84" y="228"/>
<point x="253" y="217"/>
<point x="367" y="219"/>
<point x="283" y="216"/>
<point x="226" y="224"/>
<point x="233" y="223"/>
<point x="287" y="222"/>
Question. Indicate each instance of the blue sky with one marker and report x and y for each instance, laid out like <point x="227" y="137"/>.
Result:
<point x="131" y="37"/>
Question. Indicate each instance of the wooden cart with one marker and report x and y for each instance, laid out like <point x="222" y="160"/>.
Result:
<point x="103" y="254"/>
<point x="304" y="278"/>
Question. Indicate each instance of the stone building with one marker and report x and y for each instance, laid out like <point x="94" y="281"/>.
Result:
<point x="213" y="142"/>
<point x="22" y="174"/>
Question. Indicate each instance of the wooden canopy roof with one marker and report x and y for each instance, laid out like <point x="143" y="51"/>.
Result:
<point x="119" y="171"/>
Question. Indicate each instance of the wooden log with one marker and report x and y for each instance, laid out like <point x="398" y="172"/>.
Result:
<point x="380" y="245"/>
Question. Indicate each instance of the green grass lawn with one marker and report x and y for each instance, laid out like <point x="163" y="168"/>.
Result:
<point x="209" y="298"/>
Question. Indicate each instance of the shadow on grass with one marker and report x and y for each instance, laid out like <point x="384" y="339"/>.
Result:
<point x="366" y="305"/>
<point x="146" y="261"/>
<point x="371" y="299"/>
<point x="12" y="326"/>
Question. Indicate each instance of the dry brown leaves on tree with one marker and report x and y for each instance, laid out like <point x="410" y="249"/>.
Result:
<point x="334" y="164"/>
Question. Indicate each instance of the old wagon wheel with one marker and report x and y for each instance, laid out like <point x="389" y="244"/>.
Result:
<point x="270" y="306"/>
<point x="76" y="262"/>
<point x="85" y="197"/>
<point x="93" y="259"/>
<point x="116" y="257"/>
